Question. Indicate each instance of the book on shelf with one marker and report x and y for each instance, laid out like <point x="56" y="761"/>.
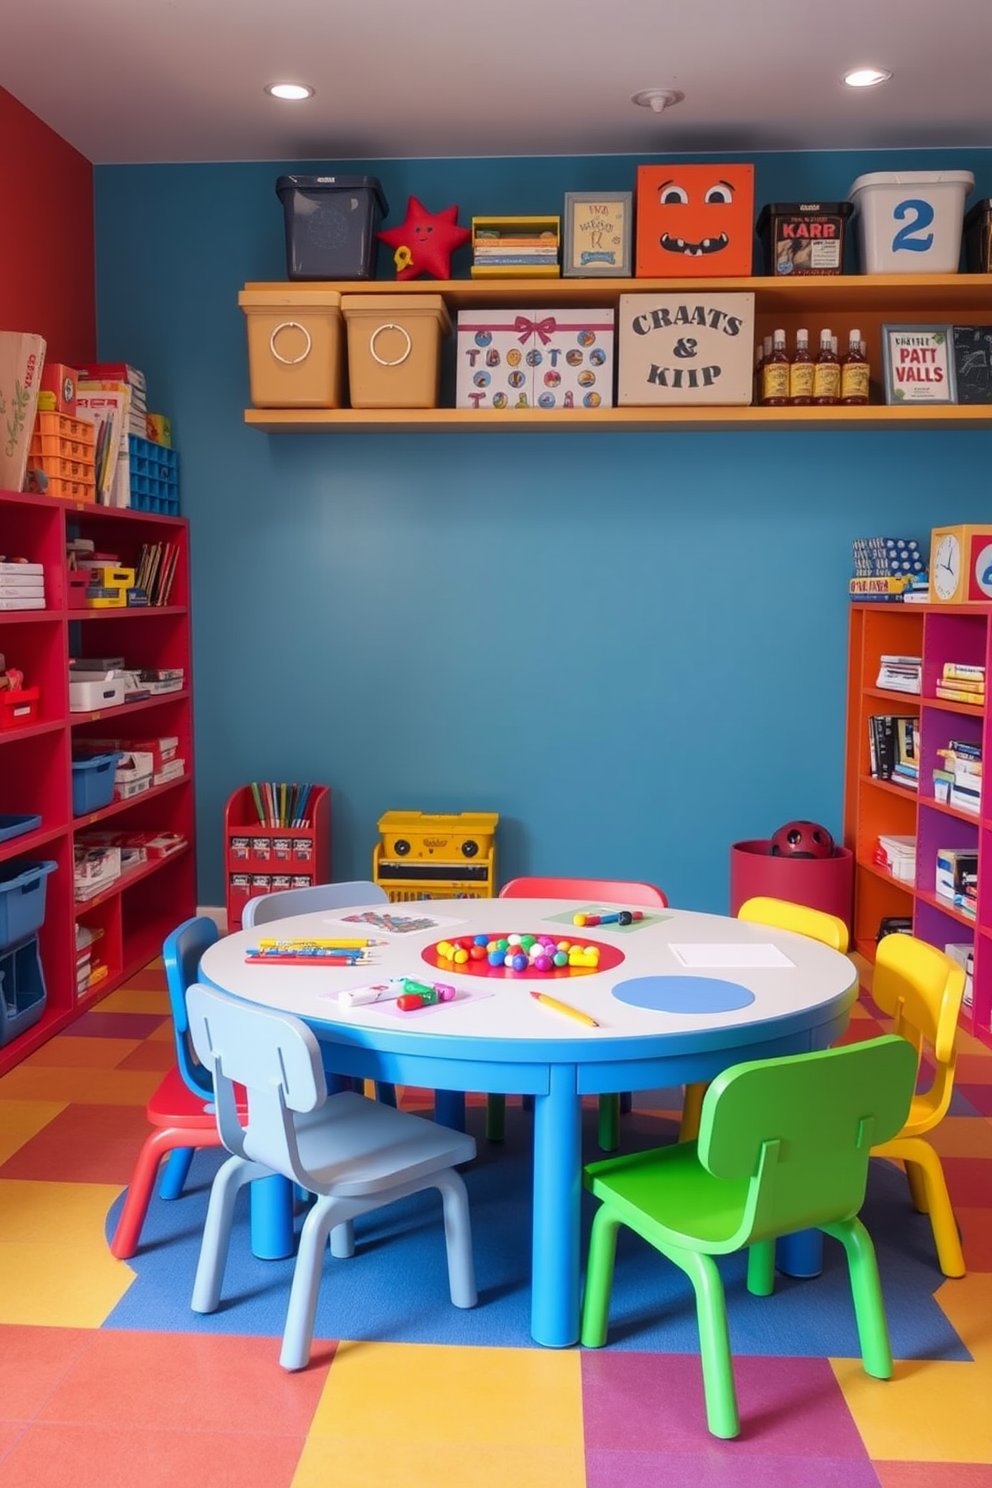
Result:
<point x="109" y="411"/>
<point x="884" y="746"/>
<point x="963" y="672"/>
<point x="958" y="695"/>
<point x="878" y="557"/>
<point x="900" y="673"/>
<point x="897" y="854"/>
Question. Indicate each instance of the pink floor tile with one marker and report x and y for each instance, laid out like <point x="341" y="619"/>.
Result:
<point x="934" y="1474"/>
<point x="33" y="1362"/>
<point x="83" y="1144"/>
<point x="116" y="1025"/>
<point x="61" y="1456"/>
<point x="653" y="1403"/>
<point x="168" y="1381"/>
<point x="978" y="1095"/>
<point x="724" y="1466"/>
<point x="969" y="1180"/>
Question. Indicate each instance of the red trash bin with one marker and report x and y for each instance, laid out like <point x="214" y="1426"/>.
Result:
<point x="819" y="883"/>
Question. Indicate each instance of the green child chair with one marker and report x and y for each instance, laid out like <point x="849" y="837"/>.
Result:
<point x="784" y="1145"/>
<point x="780" y="914"/>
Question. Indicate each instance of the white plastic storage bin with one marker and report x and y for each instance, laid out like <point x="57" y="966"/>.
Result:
<point x="910" y="222"/>
<point x="89" y="691"/>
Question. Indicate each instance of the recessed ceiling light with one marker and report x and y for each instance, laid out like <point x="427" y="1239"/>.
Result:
<point x="866" y="77"/>
<point x="295" y="91"/>
<point x="657" y="99"/>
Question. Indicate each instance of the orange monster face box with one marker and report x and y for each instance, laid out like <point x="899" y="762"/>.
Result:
<point x="694" y="221"/>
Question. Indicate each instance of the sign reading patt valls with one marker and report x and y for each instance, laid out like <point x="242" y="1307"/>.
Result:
<point x="685" y="348"/>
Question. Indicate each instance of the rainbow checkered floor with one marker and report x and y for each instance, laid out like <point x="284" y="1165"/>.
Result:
<point x="110" y="1381"/>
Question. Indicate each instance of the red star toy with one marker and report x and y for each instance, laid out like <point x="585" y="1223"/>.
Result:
<point x="425" y="241"/>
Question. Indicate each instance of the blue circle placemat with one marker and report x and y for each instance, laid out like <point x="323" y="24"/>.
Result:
<point x="683" y="994"/>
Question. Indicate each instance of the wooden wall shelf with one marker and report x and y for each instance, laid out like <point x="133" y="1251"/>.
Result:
<point x="843" y="301"/>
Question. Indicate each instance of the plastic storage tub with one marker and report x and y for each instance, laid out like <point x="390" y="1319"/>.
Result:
<point x="93" y="783"/>
<point x="22" y="989"/>
<point x="295" y="346"/>
<point x="394" y="349"/>
<point x="331" y="223"/>
<point x="22" y="899"/>
<point x="15" y="826"/>
<point x="801" y="239"/>
<point x="819" y="883"/>
<point x="910" y="222"/>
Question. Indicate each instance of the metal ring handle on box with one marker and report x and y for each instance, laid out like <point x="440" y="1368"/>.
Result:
<point x="396" y="361"/>
<point x="291" y="325"/>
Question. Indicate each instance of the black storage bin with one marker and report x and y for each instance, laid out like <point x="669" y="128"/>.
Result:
<point x="331" y="223"/>
<point x="803" y="239"/>
<point x="978" y="238"/>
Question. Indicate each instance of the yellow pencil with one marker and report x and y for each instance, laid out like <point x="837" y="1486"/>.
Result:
<point x="564" y="1007"/>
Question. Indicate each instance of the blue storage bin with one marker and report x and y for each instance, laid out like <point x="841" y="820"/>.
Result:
<point x="22" y="989"/>
<point x="16" y="826"/>
<point x="93" y="782"/>
<point x="22" y="899"/>
<point x="331" y="224"/>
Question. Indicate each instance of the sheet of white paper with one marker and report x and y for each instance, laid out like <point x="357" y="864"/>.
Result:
<point x="730" y="954"/>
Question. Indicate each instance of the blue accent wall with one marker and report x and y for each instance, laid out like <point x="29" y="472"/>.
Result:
<point x="631" y="646"/>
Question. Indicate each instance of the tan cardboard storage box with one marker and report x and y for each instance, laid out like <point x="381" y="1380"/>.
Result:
<point x="394" y="349"/>
<point x="691" y="347"/>
<point x="295" y="346"/>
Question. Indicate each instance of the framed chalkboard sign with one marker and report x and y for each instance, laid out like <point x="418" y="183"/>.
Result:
<point x="973" y="363"/>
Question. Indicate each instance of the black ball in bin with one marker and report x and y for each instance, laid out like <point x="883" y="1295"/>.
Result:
<point x="801" y="839"/>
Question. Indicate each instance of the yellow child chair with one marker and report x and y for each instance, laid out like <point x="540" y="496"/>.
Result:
<point x="921" y="989"/>
<point x="780" y="914"/>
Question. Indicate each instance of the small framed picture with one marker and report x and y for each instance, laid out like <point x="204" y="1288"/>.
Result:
<point x="918" y="362"/>
<point x="598" y="234"/>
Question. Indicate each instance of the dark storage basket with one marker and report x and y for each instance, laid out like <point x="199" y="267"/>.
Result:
<point x="331" y="223"/>
<point x="22" y="989"/>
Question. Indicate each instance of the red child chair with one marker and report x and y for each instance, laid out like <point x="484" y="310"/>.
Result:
<point x="595" y="890"/>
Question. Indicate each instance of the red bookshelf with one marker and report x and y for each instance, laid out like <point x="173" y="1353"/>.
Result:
<point x="135" y="912"/>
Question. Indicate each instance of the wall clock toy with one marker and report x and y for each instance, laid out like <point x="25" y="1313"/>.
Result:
<point x="961" y="564"/>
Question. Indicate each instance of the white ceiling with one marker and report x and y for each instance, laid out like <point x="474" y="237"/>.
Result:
<point x="146" y="81"/>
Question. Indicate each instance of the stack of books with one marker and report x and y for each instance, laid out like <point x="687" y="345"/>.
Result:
<point x="958" y="780"/>
<point x="900" y="673"/>
<point x="886" y="568"/>
<point x="957" y="878"/>
<point x="897" y="854"/>
<point x="894" y="748"/>
<point x="961" y="683"/>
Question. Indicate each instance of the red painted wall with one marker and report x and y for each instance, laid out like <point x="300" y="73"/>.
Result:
<point x="47" y="274"/>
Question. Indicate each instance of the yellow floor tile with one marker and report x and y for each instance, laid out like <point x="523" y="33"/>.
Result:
<point x="165" y="1033"/>
<point x="89" y="1087"/>
<point x="20" y="1120"/>
<point x="392" y="1462"/>
<point x="516" y="1397"/>
<point x="81" y="1053"/>
<point x="931" y="1411"/>
<point x="55" y="1266"/>
<point x="134" y="1000"/>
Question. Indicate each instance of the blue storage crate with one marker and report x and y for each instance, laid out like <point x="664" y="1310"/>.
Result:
<point x="154" y="476"/>
<point x="22" y="989"/>
<point x="93" y="782"/>
<point x="16" y="826"/>
<point x="22" y="899"/>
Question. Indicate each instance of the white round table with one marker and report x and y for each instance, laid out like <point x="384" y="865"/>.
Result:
<point x="692" y="994"/>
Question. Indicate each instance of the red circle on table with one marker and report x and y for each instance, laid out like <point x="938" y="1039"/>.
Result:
<point x="609" y="957"/>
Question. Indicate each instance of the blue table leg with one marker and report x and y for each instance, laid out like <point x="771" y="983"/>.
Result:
<point x="449" y="1109"/>
<point x="554" y="1306"/>
<point x="800" y="1254"/>
<point x="272" y="1234"/>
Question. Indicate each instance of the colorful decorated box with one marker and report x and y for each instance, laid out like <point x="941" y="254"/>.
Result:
<point x="685" y="348"/>
<point x="694" y="221"/>
<point x="550" y="359"/>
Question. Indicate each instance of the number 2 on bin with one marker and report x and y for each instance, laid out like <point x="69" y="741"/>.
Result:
<point x="904" y="238"/>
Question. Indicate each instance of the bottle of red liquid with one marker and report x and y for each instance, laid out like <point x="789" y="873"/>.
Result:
<point x="801" y="372"/>
<point x="854" y="372"/>
<point x="775" y="374"/>
<point x="826" y="373"/>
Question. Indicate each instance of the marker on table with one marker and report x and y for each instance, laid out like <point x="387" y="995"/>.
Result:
<point x="414" y="994"/>
<point x="566" y="1008"/>
<point x="622" y="917"/>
